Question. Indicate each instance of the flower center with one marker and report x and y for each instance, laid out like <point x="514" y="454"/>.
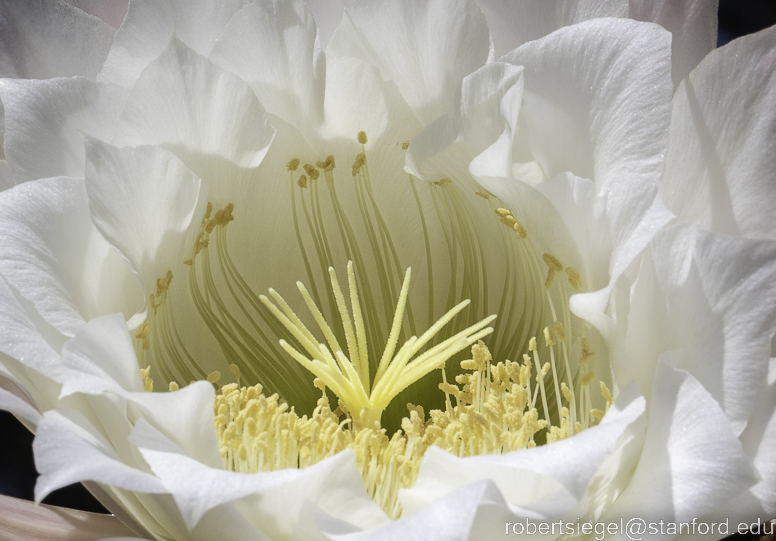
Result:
<point x="470" y="242"/>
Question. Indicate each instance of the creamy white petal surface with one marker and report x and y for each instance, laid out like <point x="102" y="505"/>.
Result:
<point x="42" y="40"/>
<point x="720" y="163"/>
<point x="485" y="137"/>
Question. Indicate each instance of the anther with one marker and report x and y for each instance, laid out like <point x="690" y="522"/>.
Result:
<point x="214" y="376"/>
<point x="574" y="278"/>
<point x="588" y="379"/>
<point x="362" y="137"/>
<point x="552" y="262"/>
<point x="559" y="332"/>
<point x="293" y="164"/>
<point x="235" y="371"/>
<point x="549" y="336"/>
<point x="311" y="171"/>
<point x="302" y="182"/>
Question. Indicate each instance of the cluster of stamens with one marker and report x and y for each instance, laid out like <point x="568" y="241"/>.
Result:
<point x="488" y="408"/>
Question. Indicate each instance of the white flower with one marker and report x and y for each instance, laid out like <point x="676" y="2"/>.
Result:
<point x="162" y="177"/>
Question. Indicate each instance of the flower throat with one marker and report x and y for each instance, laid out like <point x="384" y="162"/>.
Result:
<point x="491" y="408"/>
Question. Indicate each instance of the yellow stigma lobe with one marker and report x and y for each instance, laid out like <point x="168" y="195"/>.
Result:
<point x="348" y="375"/>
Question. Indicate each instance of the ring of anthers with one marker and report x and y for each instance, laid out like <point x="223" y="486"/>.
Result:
<point x="492" y="408"/>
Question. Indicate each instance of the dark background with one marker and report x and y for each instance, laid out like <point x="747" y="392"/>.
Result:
<point x="17" y="469"/>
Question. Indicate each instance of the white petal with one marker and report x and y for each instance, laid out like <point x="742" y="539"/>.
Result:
<point x="186" y="104"/>
<point x="691" y="461"/>
<point x="110" y="11"/>
<point x="102" y="350"/>
<point x="693" y="27"/>
<point x="42" y="39"/>
<point x="142" y="200"/>
<point x="273" y="45"/>
<point x="5" y="176"/>
<point x="544" y="481"/>
<point x="720" y="162"/>
<point x="358" y="99"/>
<point x="606" y="250"/>
<point x="271" y="500"/>
<point x="45" y="123"/>
<point x="21" y="520"/>
<point x="597" y="102"/>
<point x="426" y="47"/>
<point x="17" y="406"/>
<point x="53" y="255"/>
<point x="149" y="25"/>
<point x="449" y="518"/>
<point x="101" y="360"/>
<point x="718" y="317"/>
<point x="328" y="15"/>
<point x="21" y="338"/>
<point x="514" y="22"/>
<point x="759" y="502"/>
<point x="484" y="115"/>
<point x="69" y="450"/>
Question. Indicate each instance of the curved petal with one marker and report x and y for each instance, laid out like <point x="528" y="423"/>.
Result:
<point x="143" y="201"/>
<point x="188" y="105"/>
<point x="720" y="161"/>
<point x="5" y="176"/>
<point x="691" y="461"/>
<point x="480" y="124"/>
<point x="272" y="500"/>
<point x="101" y="360"/>
<point x="110" y="11"/>
<point x="514" y="22"/>
<point x="45" y="124"/>
<point x="68" y="449"/>
<point x="596" y="103"/>
<point x="328" y="16"/>
<point x="758" y="504"/>
<point x="17" y="406"/>
<point x="21" y="520"/>
<point x="21" y="338"/>
<point x="426" y="47"/>
<point x="274" y="47"/>
<point x="693" y="27"/>
<point x="42" y="39"/>
<point x="55" y="258"/>
<point x="450" y="518"/>
<point x="718" y="318"/>
<point x="150" y="24"/>
<point x="358" y="99"/>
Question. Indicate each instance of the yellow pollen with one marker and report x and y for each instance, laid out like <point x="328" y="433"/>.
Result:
<point x="214" y="376"/>
<point x="493" y="415"/>
<point x="302" y="182"/>
<point x="588" y="379"/>
<point x="552" y="262"/>
<point x="362" y="137"/>
<point x="235" y="371"/>
<point x="311" y="171"/>
<point x="148" y="382"/>
<point x="559" y="332"/>
<point x="358" y="163"/>
<point x="405" y="145"/>
<point x="574" y="278"/>
<point x="327" y="165"/>
<point x="293" y="164"/>
<point x="549" y="336"/>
